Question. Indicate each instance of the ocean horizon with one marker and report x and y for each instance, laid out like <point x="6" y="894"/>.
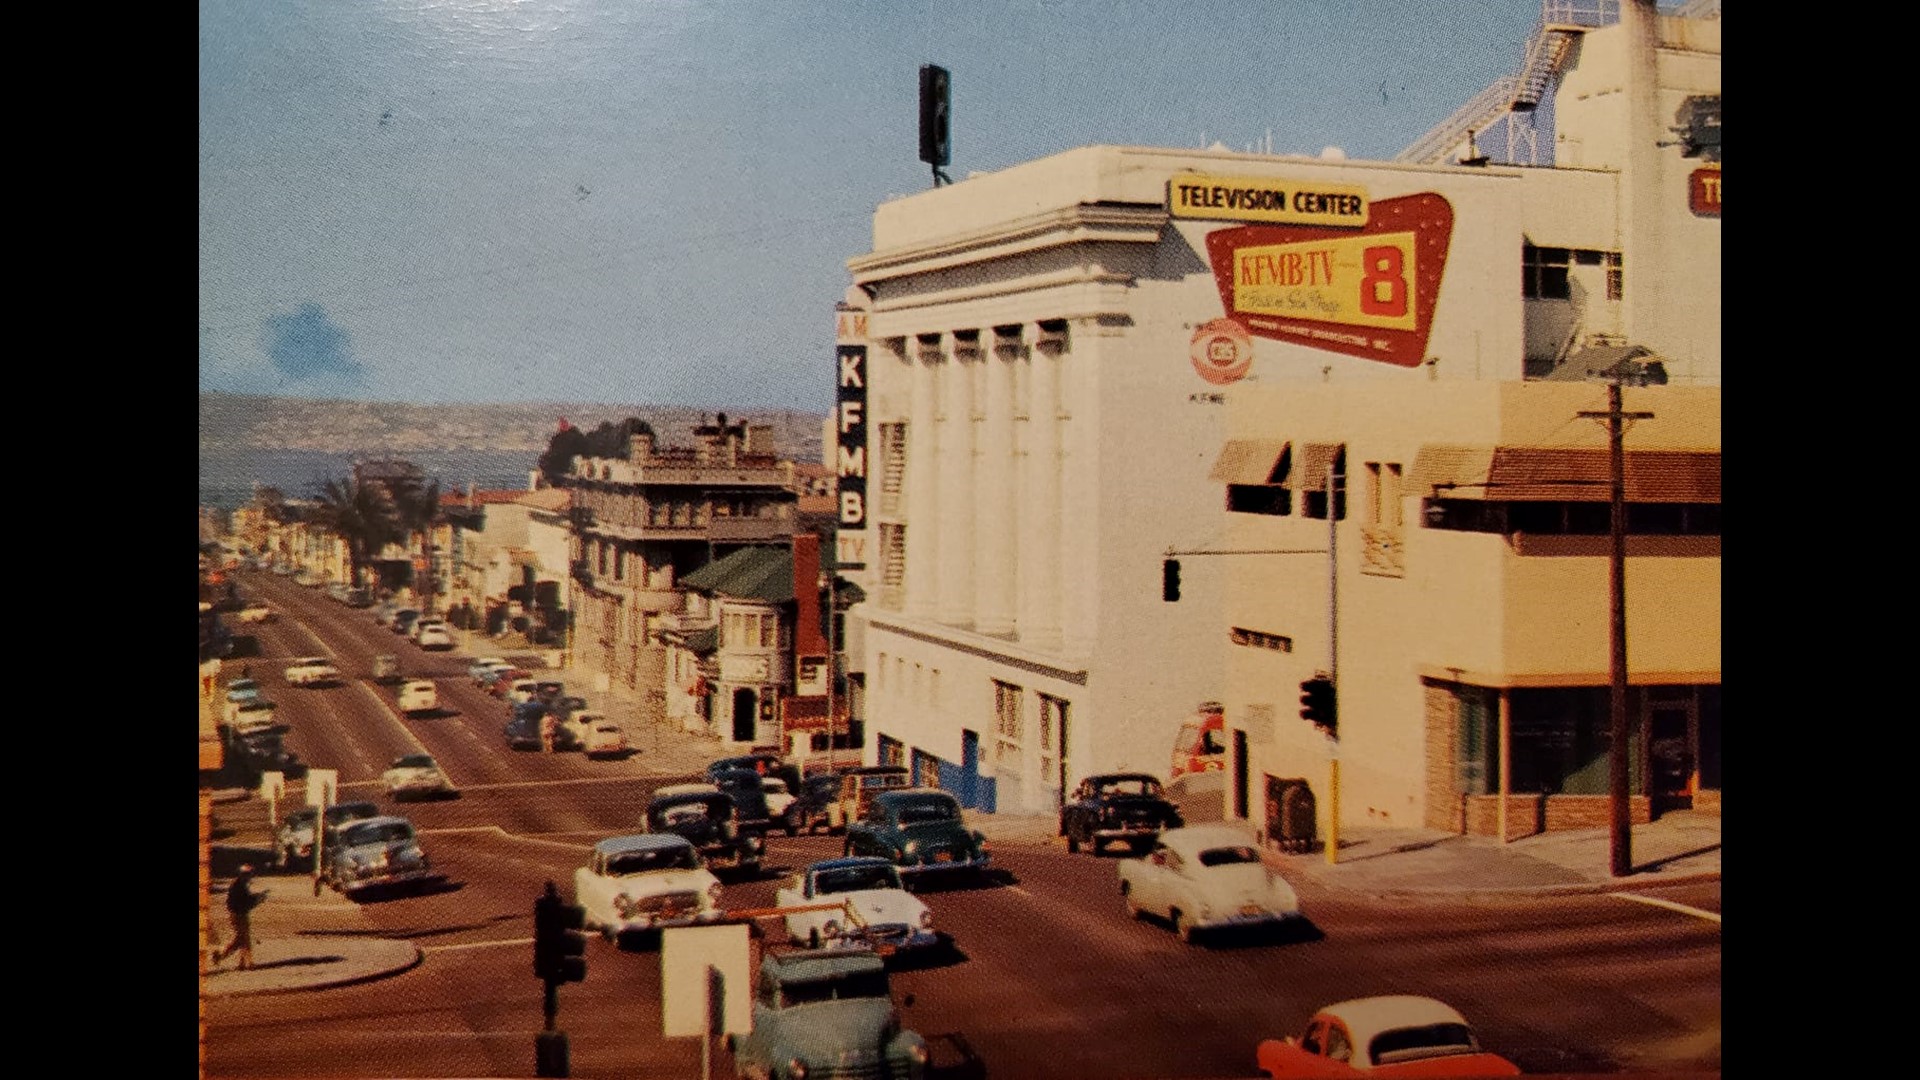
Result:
<point x="228" y="476"/>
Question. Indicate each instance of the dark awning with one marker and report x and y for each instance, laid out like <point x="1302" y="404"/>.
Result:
<point x="1563" y="474"/>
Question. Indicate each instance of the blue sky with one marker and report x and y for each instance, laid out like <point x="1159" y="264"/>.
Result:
<point x="653" y="201"/>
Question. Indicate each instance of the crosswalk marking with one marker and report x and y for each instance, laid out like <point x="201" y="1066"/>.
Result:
<point x="1698" y="913"/>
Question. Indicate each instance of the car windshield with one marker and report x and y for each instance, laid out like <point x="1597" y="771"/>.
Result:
<point x="855" y="879"/>
<point x="351" y="812"/>
<point x="681" y="813"/>
<point x="1427" y="1040"/>
<point x="865" y="984"/>
<point x="386" y="832"/>
<point x="1135" y="785"/>
<point x="1228" y="856"/>
<point x="923" y="810"/>
<point x="773" y="787"/>
<point x="414" y="761"/>
<point x="641" y="862"/>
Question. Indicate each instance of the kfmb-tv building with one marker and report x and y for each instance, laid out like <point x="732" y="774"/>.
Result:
<point x="1057" y="377"/>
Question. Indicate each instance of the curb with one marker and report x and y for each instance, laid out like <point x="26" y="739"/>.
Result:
<point x="324" y="983"/>
<point x="1512" y="891"/>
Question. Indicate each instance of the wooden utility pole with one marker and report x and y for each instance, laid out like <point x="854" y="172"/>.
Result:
<point x="1619" y="795"/>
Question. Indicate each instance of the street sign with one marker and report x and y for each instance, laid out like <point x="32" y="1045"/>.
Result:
<point x="689" y="955"/>
<point x="272" y="784"/>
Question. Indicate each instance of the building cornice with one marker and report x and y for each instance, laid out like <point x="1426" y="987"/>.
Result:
<point x="1082" y="224"/>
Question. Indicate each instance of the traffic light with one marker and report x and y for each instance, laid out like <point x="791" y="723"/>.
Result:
<point x="559" y="946"/>
<point x="934" y="142"/>
<point x="1317" y="705"/>
<point x="1170" y="580"/>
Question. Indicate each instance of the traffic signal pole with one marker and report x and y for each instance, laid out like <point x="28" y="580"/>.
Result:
<point x="1333" y="667"/>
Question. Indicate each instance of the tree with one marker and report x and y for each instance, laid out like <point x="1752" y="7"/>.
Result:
<point x="566" y="444"/>
<point x="608" y="440"/>
<point x="361" y="513"/>
<point x="416" y="511"/>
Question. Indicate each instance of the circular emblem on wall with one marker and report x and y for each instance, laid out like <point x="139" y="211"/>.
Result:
<point x="1222" y="351"/>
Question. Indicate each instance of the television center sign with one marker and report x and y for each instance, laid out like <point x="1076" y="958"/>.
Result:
<point x="1320" y="265"/>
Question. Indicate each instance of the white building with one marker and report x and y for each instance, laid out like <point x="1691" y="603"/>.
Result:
<point x="1049" y="356"/>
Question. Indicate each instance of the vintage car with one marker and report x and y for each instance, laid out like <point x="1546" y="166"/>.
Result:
<point x="374" y="853"/>
<point x="262" y="751"/>
<point x="876" y="910"/>
<point x="419" y="696"/>
<point x="241" y="690"/>
<point x="255" y="613"/>
<point x="1128" y="808"/>
<point x="417" y="776"/>
<point x="809" y="809"/>
<point x="749" y="798"/>
<point x="293" y="841"/>
<point x="522" y="691"/>
<point x="645" y="882"/>
<point x="920" y="831"/>
<point x="254" y="717"/>
<point x="1396" y="1035"/>
<point x="823" y="1013"/>
<point x="522" y="729"/>
<point x="1206" y="877"/>
<point x="433" y="636"/>
<point x="312" y="671"/>
<point x="765" y="763"/>
<point x="857" y="786"/>
<point x="595" y="734"/>
<point x="710" y="822"/>
<point x="484" y="665"/>
<point x="403" y="620"/>
<point x="498" y="680"/>
<point x="774" y="790"/>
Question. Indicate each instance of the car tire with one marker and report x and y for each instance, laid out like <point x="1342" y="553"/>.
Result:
<point x="813" y="938"/>
<point x="1073" y="841"/>
<point x="1183" y="926"/>
<point x="1126" y="897"/>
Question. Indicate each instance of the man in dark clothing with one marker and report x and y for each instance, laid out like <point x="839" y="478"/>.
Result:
<point x="241" y="900"/>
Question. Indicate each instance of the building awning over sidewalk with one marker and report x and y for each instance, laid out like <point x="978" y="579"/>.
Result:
<point x="1563" y="474"/>
<point x="1248" y="461"/>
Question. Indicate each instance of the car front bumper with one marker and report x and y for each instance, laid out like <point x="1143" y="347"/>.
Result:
<point x="951" y="866"/>
<point x="638" y="924"/>
<point x="389" y="880"/>
<point x="1247" y="919"/>
<point x="1129" y="831"/>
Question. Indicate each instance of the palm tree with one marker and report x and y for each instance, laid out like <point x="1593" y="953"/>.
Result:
<point x="362" y="514"/>
<point x="417" y="511"/>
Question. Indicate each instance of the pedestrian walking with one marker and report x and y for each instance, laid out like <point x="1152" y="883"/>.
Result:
<point x="549" y="727"/>
<point x="241" y="900"/>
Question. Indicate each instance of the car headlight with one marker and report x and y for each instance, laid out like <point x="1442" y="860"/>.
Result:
<point x="912" y="846"/>
<point x="797" y="1069"/>
<point x="926" y="920"/>
<point x="713" y="892"/>
<point x="918" y="1052"/>
<point x="756" y="843"/>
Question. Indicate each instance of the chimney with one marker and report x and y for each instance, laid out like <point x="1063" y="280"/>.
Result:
<point x="760" y="439"/>
<point x="732" y="437"/>
<point x="640" y="447"/>
<point x="809" y="638"/>
<point x="709" y="436"/>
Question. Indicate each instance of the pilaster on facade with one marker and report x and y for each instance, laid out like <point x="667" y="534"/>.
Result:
<point x="1040" y="530"/>
<point x="957" y="450"/>
<point x="1091" y="338"/>
<point x="997" y="506"/>
<point x="923" y="477"/>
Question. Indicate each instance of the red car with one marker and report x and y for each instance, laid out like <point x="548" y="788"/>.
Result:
<point x="503" y="682"/>
<point x="1398" y="1035"/>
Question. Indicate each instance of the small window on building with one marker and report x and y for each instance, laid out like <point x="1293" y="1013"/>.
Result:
<point x="1616" y="277"/>
<point x="1544" y="273"/>
<point x="1271" y="499"/>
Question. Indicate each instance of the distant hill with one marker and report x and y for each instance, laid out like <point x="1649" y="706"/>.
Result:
<point x="230" y="422"/>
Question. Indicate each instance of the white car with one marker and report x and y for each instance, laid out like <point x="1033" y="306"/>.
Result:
<point x="685" y="789"/>
<point x="434" y="636"/>
<point x="777" y="796"/>
<point x="254" y="613"/>
<point x="416" y="776"/>
<point x="485" y="664"/>
<point x="645" y="882"/>
<point x="1206" y="877"/>
<point x="312" y="671"/>
<point x="251" y="717"/>
<point x="522" y="691"/>
<point x="873" y="907"/>
<point x="595" y="734"/>
<point x="419" y="696"/>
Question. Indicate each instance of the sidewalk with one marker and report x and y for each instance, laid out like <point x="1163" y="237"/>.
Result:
<point x="1679" y="847"/>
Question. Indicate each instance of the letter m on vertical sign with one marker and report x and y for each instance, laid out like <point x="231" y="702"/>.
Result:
<point x="850" y="435"/>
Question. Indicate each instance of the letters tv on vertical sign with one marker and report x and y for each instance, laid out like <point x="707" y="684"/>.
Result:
<point x="850" y="428"/>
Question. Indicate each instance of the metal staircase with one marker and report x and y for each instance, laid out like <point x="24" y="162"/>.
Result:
<point x="1561" y="23"/>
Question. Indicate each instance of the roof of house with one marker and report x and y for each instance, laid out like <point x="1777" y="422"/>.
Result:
<point x="457" y="497"/>
<point x="753" y="573"/>
<point x="547" y="499"/>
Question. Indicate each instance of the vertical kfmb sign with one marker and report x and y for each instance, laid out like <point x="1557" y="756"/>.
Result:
<point x="850" y="437"/>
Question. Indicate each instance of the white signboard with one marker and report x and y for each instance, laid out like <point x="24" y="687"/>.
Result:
<point x="271" y="785"/>
<point x="322" y="784"/>
<point x="697" y="960"/>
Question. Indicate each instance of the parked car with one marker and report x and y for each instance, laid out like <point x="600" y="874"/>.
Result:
<point x="749" y="796"/>
<point x="337" y="590"/>
<point x="312" y="671"/>
<point x="1129" y="808"/>
<point x="359" y="598"/>
<point x="1396" y="1035"/>
<point x="386" y="669"/>
<point x="645" y="882"/>
<point x="858" y="786"/>
<point x="293" y="843"/>
<point x="262" y="751"/>
<point x="243" y="690"/>
<point x="403" y="620"/>
<point x="417" y="776"/>
<point x="878" y="912"/>
<point x="420" y="625"/>
<point x="521" y="691"/>
<point x="484" y="665"/>
<point x="384" y="612"/>
<point x="379" y="852"/>
<point x="764" y="763"/>
<point x="826" y="1013"/>
<point x="522" y="729"/>
<point x="709" y="821"/>
<point x="809" y="809"/>
<point x="501" y="679"/>
<point x="603" y="737"/>
<point x="255" y="613"/>
<point x="254" y="717"/>
<point x="435" y="637"/>
<point x="1207" y="877"/>
<point x="774" y="790"/>
<point x="920" y="831"/>
<point x="419" y="696"/>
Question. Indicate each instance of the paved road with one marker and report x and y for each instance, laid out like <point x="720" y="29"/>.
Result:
<point x="1046" y="976"/>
